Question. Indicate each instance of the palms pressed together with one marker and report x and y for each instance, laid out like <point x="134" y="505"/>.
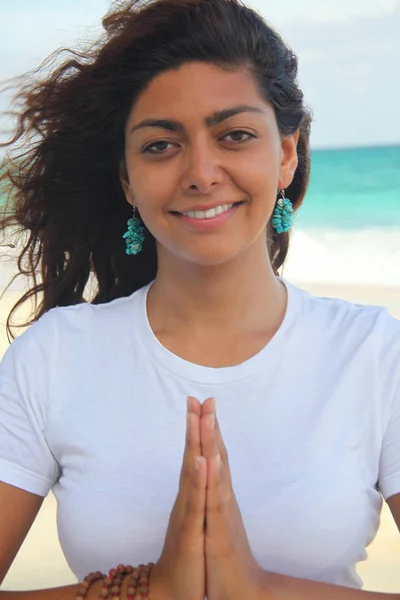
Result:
<point x="206" y="550"/>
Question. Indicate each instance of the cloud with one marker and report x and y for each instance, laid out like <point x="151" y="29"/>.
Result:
<point x="29" y="34"/>
<point x="350" y="75"/>
<point x="335" y="13"/>
<point x="348" y="54"/>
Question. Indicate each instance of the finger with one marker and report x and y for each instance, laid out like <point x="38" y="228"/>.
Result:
<point x="192" y="445"/>
<point x="209" y="406"/>
<point x="193" y="405"/>
<point x="210" y="450"/>
<point x="208" y="443"/>
<point x="218" y="496"/>
<point x="193" y="414"/>
<point x="196" y="502"/>
<point x="219" y="490"/>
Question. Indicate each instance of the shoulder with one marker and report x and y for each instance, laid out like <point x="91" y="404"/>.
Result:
<point x="345" y="330"/>
<point x="88" y="317"/>
<point x="335" y="315"/>
<point x="80" y="325"/>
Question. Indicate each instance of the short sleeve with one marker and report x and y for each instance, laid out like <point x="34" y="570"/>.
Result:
<point x="26" y="460"/>
<point x="389" y="481"/>
<point x="389" y="468"/>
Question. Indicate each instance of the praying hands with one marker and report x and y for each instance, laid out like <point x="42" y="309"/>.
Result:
<point x="206" y="551"/>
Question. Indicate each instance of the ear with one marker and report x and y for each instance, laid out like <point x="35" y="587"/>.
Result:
<point x="124" y="179"/>
<point x="289" y="161"/>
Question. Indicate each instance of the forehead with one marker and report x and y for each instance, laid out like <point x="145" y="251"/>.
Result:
<point x="194" y="89"/>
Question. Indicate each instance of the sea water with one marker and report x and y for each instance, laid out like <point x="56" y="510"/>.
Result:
<point x="347" y="230"/>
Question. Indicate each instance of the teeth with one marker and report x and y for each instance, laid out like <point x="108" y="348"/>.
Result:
<point x="208" y="214"/>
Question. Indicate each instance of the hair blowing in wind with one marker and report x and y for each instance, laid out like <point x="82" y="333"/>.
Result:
<point x="65" y="208"/>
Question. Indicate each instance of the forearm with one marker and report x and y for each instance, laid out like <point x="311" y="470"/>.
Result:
<point x="281" y="587"/>
<point x="68" y="593"/>
<point x="61" y="593"/>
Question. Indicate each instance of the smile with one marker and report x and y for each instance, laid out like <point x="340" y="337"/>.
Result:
<point x="209" y="219"/>
<point x="208" y="214"/>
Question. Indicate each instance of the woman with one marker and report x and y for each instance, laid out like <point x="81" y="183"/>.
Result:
<point x="188" y="115"/>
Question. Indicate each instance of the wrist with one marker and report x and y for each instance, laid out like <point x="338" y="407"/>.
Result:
<point x="157" y="587"/>
<point x="94" y="590"/>
<point x="268" y="586"/>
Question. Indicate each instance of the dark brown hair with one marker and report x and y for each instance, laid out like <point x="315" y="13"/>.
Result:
<point x="64" y="193"/>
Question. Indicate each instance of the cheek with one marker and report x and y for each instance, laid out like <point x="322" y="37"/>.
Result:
<point x="154" y="183"/>
<point x="260" y="173"/>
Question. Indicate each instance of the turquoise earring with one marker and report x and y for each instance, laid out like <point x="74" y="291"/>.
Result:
<point x="134" y="237"/>
<point x="282" y="217"/>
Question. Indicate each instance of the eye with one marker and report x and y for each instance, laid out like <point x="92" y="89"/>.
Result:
<point x="148" y="150"/>
<point x="240" y="132"/>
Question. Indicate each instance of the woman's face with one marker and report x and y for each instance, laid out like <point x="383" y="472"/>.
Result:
<point x="203" y="156"/>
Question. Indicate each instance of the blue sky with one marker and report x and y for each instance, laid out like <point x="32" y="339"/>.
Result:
<point x="348" y="50"/>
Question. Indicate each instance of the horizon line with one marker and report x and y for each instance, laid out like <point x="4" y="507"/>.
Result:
<point x="357" y="147"/>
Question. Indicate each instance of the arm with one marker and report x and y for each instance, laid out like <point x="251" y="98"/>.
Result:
<point x="62" y="593"/>
<point x="179" y="574"/>
<point x="18" y="511"/>
<point x="281" y="587"/>
<point x="289" y="588"/>
<point x="231" y="569"/>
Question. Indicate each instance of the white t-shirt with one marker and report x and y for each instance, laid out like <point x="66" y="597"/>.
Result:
<point x="93" y="407"/>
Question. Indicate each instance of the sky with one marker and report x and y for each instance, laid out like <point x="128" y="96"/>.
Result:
<point x="348" y="50"/>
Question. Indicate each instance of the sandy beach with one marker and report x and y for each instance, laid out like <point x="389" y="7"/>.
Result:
<point x="40" y="562"/>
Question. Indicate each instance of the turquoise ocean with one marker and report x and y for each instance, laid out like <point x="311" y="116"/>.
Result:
<point x="348" y="229"/>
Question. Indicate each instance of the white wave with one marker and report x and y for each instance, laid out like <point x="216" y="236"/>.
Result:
<point x="357" y="257"/>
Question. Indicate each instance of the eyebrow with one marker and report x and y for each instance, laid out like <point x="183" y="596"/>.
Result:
<point x="214" y="119"/>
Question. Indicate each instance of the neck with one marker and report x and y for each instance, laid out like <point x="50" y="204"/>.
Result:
<point x="236" y="298"/>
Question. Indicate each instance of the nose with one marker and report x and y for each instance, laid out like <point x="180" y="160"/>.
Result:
<point x="202" y="168"/>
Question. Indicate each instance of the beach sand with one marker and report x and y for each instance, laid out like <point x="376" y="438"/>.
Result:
<point x="40" y="562"/>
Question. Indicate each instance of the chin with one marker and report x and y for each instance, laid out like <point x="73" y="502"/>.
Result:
<point x="212" y="257"/>
<point x="206" y="252"/>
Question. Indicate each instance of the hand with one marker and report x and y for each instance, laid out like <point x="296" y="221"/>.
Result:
<point x="180" y="572"/>
<point x="232" y="571"/>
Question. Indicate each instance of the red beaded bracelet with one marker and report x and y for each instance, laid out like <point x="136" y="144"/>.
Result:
<point x="137" y="584"/>
<point x="86" y="583"/>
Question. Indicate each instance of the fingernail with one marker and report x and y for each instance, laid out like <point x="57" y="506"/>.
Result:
<point x="188" y="403"/>
<point x="212" y="420"/>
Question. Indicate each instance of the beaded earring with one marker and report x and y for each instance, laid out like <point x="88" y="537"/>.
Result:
<point x="134" y="237"/>
<point x="282" y="217"/>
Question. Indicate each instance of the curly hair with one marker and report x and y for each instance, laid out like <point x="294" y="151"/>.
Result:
<point x="62" y="165"/>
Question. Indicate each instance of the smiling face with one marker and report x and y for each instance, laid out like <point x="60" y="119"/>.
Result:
<point x="216" y="143"/>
